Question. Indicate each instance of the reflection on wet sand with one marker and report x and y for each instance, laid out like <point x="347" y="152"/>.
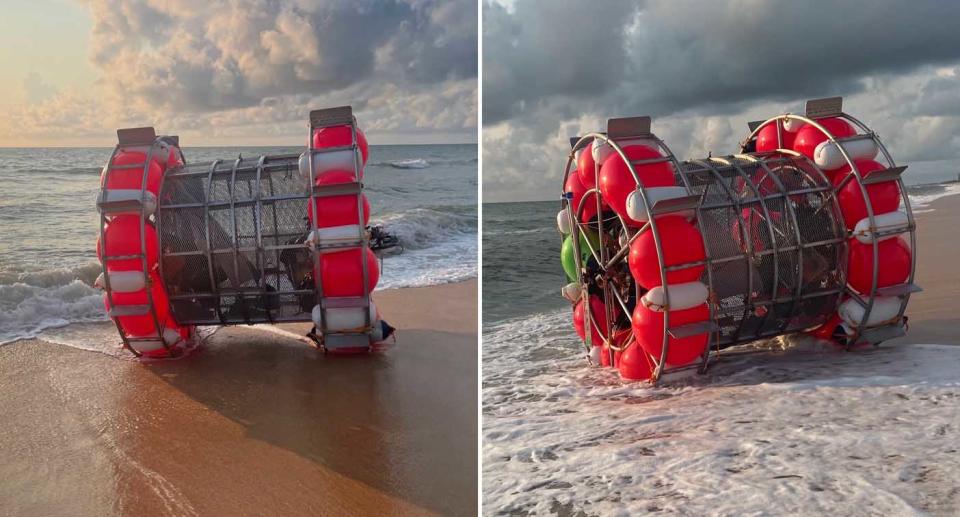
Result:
<point x="255" y="423"/>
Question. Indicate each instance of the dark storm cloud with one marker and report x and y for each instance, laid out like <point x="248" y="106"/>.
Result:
<point x="547" y="63"/>
<point x="550" y="48"/>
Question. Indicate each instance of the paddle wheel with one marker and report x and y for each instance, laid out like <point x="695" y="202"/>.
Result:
<point x="671" y="262"/>
<point x="264" y="239"/>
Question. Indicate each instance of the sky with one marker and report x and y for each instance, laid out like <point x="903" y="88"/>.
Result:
<point x="703" y="69"/>
<point x="236" y="72"/>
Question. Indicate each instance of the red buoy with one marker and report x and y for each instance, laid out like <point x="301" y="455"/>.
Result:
<point x="681" y="243"/>
<point x="586" y="168"/>
<point x="131" y="179"/>
<point x="634" y="364"/>
<point x="338" y="210"/>
<point x="894" y="259"/>
<point x="648" y="330"/>
<point x="142" y="325"/>
<point x="123" y="239"/>
<point x="884" y="197"/>
<point x="576" y="188"/>
<point x="343" y="273"/>
<point x="809" y="137"/>
<point x="597" y="313"/>
<point x="339" y="136"/>
<point x="175" y="159"/>
<point x="767" y="138"/>
<point x="617" y="182"/>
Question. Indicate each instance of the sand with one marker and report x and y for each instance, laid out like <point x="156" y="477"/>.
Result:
<point x="933" y="313"/>
<point x="255" y="423"/>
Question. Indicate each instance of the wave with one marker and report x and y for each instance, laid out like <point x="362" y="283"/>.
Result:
<point x="33" y="301"/>
<point x="412" y="163"/>
<point x="85" y="273"/>
<point x="440" y="248"/>
<point x="423" y="163"/>
<point x="422" y="228"/>
<point x="27" y="310"/>
<point x="415" y="163"/>
<point x="922" y="195"/>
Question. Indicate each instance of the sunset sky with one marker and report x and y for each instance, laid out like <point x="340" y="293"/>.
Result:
<point x="235" y="72"/>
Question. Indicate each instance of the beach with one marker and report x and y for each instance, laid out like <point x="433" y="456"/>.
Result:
<point x="797" y="426"/>
<point x="253" y="423"/>
<point x="932" y="313"/>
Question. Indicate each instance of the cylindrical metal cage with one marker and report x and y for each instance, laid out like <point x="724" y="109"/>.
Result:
<point x="232" y="239"/>
<point x="774" y="240"/>
<point x="238" y="241"/>
<point x="773" y="233"/>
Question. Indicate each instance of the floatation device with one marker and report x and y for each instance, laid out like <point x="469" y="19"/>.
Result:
<point x="598" y="326"/>
<point x="266" y="239"/>
<point x="618" y="182"/>
<point x="807" y="229"/>
<point x="567" y="252"/>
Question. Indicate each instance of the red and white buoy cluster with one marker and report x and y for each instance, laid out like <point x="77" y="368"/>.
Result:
<point x="341" y="219"/>
<point x="822" y="145"/>
<point x="129" y="251"/>
<point x="600" y="169"/>
<point x="613" y="194"/>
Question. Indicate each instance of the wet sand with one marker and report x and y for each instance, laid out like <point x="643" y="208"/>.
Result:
<point x="933" y="313"/>
<point x="255" y="423"/>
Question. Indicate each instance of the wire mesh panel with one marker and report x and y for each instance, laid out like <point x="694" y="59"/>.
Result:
<point x="774" y="243"/>
<point x="232" y="239"/>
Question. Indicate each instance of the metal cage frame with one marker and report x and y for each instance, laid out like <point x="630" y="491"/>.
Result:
<point x="110" y="202"/>
<point x="833" y="107"/>
<point x="620" y="129"/>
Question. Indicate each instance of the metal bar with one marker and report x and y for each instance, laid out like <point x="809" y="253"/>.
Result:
<point x="339" y="189"/>
<point x="206" y="231"/>
<point x="348" y="302"/>
<point x="884" y="333"/>
<point x="899" y="290"/>
<point x="650" y="161"/>
<point x="239" y="292"/>
<point x="314" y="252"/>
<point x="778" y="195"/>
<point x="572" y="216"/>
<point x="129" y="166"/>
<point x="364" y="250"/>
<point x="283" y="165"/>
<point x="678" y="204"/>
<point x="143" y="248"/>
<point x="300" y="317"/>
<point x="235" y="236"/>
<point x="693" y="329"/>
<point x="890" y="174"/>
<point x="258" y="222"/>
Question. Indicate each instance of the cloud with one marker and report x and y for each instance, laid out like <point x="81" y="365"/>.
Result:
<point x="36" y="88"/>
<point x="703" y="69"/>
<point x="229" y="67"/>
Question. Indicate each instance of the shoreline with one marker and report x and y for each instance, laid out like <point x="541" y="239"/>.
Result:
<point x="932" y="318"/>
<point x="252" y="421"/>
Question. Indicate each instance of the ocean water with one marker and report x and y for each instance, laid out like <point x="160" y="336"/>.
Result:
<point x="562" y="437"/>
<point x="426" y="194"/>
